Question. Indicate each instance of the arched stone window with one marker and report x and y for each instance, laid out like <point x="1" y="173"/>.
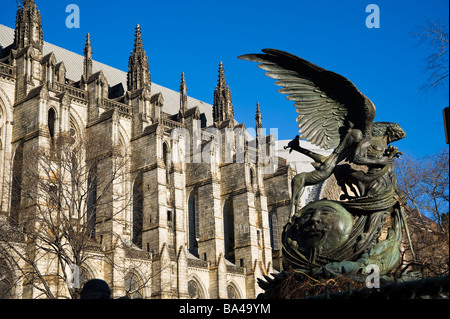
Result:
<point x="193" y="222"/>
<point x="138" y="211"/>
<point x="274" y="235"/>
<point x="133" y="286"/>
<point x="228" y="229"/>
<point x="73" y="131"/>
<point x="166" y="155"/>
<point x="51" y="119"/>
<point x="232" y="292"/>
<point x="85" y="276"/>
<point x="194" y="289"/>
<point x="76" y="128"/>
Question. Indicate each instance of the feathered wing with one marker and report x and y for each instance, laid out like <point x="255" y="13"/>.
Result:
<point x="324" y="100"/>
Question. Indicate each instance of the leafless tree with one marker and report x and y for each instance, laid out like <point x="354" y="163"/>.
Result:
<point x="425" y="185"/>
<point x="74" y="210"/>
<point x="69" y="191"/>
<point x="435" y="36"/>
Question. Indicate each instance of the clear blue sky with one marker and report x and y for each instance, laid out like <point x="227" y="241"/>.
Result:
<point x="193" y="36"/>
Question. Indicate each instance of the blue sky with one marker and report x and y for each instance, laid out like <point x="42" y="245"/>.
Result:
<point x="193" y="36"/>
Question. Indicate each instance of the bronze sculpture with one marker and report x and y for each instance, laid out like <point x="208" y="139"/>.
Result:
<point x="338" y="236"/>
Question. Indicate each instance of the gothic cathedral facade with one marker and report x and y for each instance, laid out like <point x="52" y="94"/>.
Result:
<point x="193" y="212"/>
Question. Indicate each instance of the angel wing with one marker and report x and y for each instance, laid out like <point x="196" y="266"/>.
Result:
<point x="325" y="101"/>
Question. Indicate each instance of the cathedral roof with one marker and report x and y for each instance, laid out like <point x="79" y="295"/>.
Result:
<point x="74" y="69"/>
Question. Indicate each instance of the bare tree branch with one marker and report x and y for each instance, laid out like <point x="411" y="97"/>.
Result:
<point x="424" y="183"/>
<point x="435" y="37"/>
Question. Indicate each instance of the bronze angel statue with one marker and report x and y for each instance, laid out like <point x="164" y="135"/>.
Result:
<point x="343" y="235"/>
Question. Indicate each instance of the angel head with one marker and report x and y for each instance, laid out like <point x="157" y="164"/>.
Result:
<point x="392" y="131"/>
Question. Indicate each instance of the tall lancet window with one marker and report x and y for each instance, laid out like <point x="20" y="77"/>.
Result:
<point x="138" y="211"/>
<point x="228" y="229"/>
<point x="166" y="155"/>
<point x="273" y="225"/>
<point x="92" y="201"/>
<point x="16" y="187"/>
<point x="51" y="119"/>
<point x="193" y="222"/>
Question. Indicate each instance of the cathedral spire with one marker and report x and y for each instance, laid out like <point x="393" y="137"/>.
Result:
<point x="87" y="58"/>
<point x="138" y="70"/>
<point x="183" y="95"/>
<point x="138" y="46"/>
<point x="258" y="117"/>
<point x="28" y="26"/>
<point x="222" y="107"/>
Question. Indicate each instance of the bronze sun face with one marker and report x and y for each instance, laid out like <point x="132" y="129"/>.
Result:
<point x="322" y="226"/>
